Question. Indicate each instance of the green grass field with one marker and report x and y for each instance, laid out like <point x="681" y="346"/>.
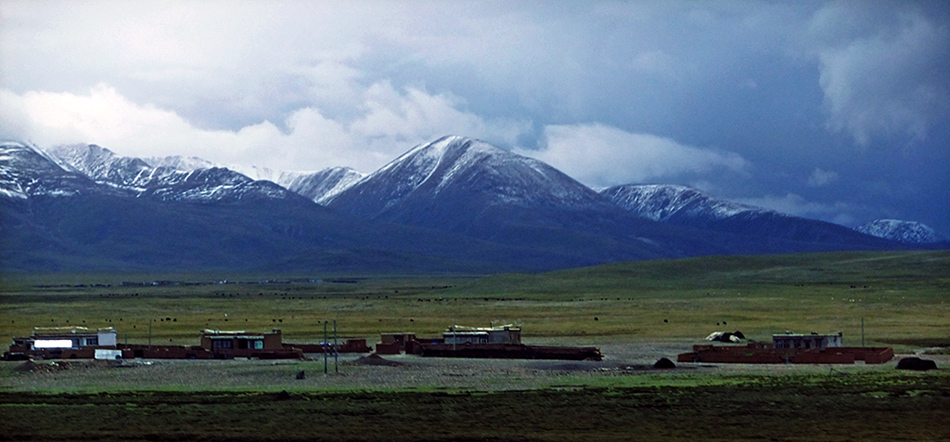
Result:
<point x="904" y="299"/>
<point x="796" y="408"/>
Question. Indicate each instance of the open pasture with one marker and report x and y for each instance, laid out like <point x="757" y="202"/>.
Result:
<point x="635" y="312"/>
<point x="870" y="406"/>
<point x="904" y="299"/>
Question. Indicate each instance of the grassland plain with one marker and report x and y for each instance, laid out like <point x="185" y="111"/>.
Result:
<point x="902" y="297"/>
<point x="635" y="312"/>
<point x="869" y="406"/>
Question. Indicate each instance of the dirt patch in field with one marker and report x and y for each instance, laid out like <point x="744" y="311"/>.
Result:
<point x="32" y="366"/>
<point x="374" y="359"/>
<point x="937" y="351"/>
<point x="47" y="367"/>
<point x="564" y="367"/>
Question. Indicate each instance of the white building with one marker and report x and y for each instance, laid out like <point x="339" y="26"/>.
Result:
<point x="502" y="334"/>
<point x="813" y="340"/>
<point x="71" y="337"/>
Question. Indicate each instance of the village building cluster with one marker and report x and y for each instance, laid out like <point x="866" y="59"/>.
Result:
<point x="503" y="342"/>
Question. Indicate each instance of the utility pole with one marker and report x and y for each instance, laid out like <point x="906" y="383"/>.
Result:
<point x="862" y="331"/>
<point x="150" y="333"/>
<point x="324" y="345"/>
<point x="336" y="354"/>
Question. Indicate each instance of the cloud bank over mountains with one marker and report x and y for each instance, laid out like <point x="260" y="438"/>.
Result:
<point x="832" y="108"/>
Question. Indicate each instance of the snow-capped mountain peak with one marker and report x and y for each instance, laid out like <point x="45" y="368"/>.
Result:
<point x="456" y="165"/>
<point x="910" y="232"/>
<point x="27" y="170"/>
<point x="100" y="164"/>
<point x="173" y="179"/>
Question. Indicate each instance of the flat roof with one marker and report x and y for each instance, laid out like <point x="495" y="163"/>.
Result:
<point x="236" y="336"/>
<point x="55" y="331"/>
<point x="462" y="328"/>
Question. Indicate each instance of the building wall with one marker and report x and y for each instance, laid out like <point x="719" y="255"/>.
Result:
<point x="241" y="341"/>
<point x="806" y="341"/>
<point x="273" y="341"/>
<point x="466" y="337"/>
<point x="107" y="338"/>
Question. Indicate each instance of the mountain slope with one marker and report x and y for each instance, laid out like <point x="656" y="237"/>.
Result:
<point x="681" y="205"/>
<point x="456" y="165"/>
<point x="99" y="164"/>
<point x="26" y="171"/>
<point x="673" y="203"/>
<point x="455" y="204"/>
<point x="315" y="186"/>
<point x="465" y="186"/>
<point x="179" y="162"/>
<point x="166" y="183"/>
<point x="910" y="232"/>
<point x="54" y="219"/>
<point x="324" y="185"/>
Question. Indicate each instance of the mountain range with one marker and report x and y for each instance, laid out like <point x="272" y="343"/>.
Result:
<point x="456" y="204"/>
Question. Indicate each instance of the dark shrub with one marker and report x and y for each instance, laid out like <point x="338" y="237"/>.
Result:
<point x="664" y="363"/>
<point x="914" y="363"/>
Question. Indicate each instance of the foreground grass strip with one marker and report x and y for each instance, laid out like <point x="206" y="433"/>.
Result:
<point x="778" y="408"/>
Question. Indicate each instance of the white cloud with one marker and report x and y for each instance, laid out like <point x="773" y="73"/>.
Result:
<point x="793" y="204"/>
<point x="600" y="155"/>
<point x="820" y="177"/>
<point x="882" y="72"/>
<point x="417" y="116"/>
<point x="388" y="122"/>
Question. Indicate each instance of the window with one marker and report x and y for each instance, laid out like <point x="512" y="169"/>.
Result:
<point x="92" y="341"/>
<point x="222" y="344"/>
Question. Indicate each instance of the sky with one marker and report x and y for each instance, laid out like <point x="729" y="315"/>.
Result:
<point x="838" y="111"/>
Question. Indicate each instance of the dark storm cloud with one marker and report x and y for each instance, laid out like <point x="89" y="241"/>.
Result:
<point x="835" y="110"/>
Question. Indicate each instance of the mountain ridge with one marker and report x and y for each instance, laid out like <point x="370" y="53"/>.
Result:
<point x="682" y="205"/>
<point x="909" y="232"/>
<point x="453" y="204"/>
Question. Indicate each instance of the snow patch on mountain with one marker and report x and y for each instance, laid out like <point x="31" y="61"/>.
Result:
<point x="465" y="166"/>
<point x="170" y="179"/>
<point x="179" y="162"/>
<point x="257" y="173"/>
<point x="910" y="232"/>
<point x="26" y="171"/>
<point x="324" y="185"/>
<point x="660" y="202"/>
<point x="100" y="164"/>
